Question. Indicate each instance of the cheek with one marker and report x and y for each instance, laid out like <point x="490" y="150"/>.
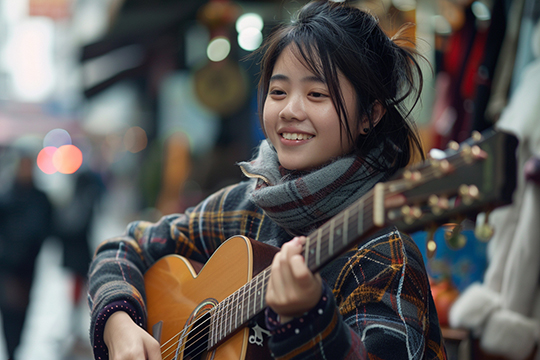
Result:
<point x="267" y="120"/>
<point x="270" y="113"/>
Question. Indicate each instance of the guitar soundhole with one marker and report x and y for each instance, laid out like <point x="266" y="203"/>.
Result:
<point x="197" y="341"/>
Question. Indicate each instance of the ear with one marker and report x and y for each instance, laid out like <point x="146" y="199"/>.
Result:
<point x="377" y="112"/>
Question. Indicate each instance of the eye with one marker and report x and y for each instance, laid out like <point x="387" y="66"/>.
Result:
<point x="317" y="95"/>
<point x="276" y="93"/>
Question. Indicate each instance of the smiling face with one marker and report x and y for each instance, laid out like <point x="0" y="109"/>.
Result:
<point x="300" y="119"/>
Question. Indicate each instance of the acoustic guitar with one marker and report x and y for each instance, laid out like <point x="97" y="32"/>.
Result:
<point x="214" y="311"/>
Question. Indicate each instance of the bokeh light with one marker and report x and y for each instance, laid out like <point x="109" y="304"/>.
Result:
<point x="135" y="139"/>
<point x="57" y="138"/>
<point x="404" y="5"/>
<point x="481" y="11"/>
<point x="249" y="20"/>
<point x="250" y="39"/>
<point x="67" y="159"/>
<point x="218" y="49"/>
<point x="44" y="160"/>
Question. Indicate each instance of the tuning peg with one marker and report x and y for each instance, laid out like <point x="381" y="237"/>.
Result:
<point x="483" y="230"/>
<point x="411" y="213"/>
<point x="438" y="204"/>
<point x="469" y="193"/>
<point x="476" y="136"/>
<point x="478" y="153"/>
<point x="466" y="154"/>
<point x="441" y="167"/>
<point x="453" y="145"/>
<point x="453" y="236"/>
<point x="412" y="175"/>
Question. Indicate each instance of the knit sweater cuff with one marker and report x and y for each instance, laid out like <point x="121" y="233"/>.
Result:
<point x="100" y="349"/>
<point x="283" y="331"/>
<point x="319" y="323"/>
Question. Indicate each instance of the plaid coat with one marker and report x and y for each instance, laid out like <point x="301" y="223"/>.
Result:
<point x="377" y="301"/>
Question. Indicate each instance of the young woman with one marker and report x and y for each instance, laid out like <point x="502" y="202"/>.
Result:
<point x="332" y="93"/>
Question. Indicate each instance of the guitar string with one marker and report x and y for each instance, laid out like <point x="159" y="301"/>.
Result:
<point x="427" y="176"/>
<point x="264" y="281"/>
<point x="174" y="346"/>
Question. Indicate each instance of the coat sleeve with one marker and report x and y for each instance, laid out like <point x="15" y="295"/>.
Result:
<point x="380" y="307"/>
<point x="116" y="275"/>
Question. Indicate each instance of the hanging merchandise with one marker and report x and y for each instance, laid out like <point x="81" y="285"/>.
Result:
<point x="222" y="87"/>
<point x="220" y="84"/>
<point x="504" y="310"/>
<point x="460" y="57"/>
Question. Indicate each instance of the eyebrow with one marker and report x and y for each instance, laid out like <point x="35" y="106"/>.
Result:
<point x="312" y="78"/>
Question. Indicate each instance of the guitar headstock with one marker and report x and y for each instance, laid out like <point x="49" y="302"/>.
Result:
<point x="471" y="177"/>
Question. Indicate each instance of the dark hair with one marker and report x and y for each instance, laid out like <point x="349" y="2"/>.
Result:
<point x="329" y="37"/>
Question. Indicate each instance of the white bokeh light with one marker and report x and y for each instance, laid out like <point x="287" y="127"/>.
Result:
<point x="249" y="20"/>
<point x="218" y="49"/>
<point x="404" y="5"/>
<point x="250" y="39"/>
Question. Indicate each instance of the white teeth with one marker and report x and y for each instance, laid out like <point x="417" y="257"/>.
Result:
<point x="295" y="136"/>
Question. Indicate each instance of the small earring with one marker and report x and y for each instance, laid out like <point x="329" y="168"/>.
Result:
<point x="366" y="130"/>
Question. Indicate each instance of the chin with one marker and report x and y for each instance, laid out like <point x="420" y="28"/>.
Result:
<point x="296" y="167"/>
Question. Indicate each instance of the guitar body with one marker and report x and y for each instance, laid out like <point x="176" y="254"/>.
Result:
<point x="178" y="297"/>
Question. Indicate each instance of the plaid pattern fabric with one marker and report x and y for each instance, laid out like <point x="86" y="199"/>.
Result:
<point x="381" y="289"/>
<point x="302" y="201"/>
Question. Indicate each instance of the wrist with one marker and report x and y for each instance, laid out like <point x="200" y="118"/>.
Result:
<point x="99" y="346"/>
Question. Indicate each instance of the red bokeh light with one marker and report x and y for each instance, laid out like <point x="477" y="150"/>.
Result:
<point x="67" y="159"/>
<point x="45" y="160"/>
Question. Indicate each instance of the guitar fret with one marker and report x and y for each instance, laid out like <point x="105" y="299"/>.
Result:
<point x="255" y="294"/>
<point x="318" y="253"/>
<point x="227" y="321"/>
<point x="361" y="217"/>
<point x="218" y="321"/>
<point x="248" y="296"/>
<point x="265" y="283"/>
<point x="236" y="295"/>
<point x="228" y="324"/>
<point x="331" y="240"/>
<point x="306" y="255"/>
<point x="232" y="313"/>
<point x="224" y="319"/>
<point x="346" y="226"/>
<point x="241" y="304"/>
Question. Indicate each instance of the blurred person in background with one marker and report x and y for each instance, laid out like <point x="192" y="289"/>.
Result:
<point x="25" y="222"/>
<point x="72" y="225"/>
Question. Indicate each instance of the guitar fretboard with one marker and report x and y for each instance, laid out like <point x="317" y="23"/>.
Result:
<point x="322" y="246"/>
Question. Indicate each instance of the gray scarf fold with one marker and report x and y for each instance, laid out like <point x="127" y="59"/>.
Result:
<point x="300" y="202"/>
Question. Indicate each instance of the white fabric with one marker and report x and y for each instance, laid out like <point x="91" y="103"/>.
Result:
<point x="504" y="311"/>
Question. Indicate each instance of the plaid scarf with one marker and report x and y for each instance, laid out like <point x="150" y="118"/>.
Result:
<point x="300" y="201"/>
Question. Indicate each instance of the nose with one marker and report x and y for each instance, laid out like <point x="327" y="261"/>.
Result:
<point x="294" y="109"/>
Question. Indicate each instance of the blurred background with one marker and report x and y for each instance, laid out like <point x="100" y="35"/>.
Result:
<point x="116" y="110"/>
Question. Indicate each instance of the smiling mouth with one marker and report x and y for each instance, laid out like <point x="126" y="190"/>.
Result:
<point x="295" y="136"/>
